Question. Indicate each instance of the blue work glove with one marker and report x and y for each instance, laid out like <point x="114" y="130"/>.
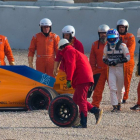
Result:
<point x="69" y="84"/>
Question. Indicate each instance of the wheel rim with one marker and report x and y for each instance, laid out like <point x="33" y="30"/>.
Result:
<point x="39" y="101"/>
<point x="63" y="112"/>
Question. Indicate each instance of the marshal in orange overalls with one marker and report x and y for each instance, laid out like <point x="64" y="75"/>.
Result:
<point x="98" y="66"/>
<point x="46" y="49"/>
<point x="5" y="50"/>
<point x="129" y="40"/>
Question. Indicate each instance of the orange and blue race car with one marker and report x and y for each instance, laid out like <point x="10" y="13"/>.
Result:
<point x="22" y="87"/>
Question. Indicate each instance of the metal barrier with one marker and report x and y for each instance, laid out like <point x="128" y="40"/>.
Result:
<point x="19" y="0"/>
<point x="88" y="1"/>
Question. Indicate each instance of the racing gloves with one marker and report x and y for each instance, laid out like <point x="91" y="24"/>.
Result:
<point x="114" y="62"/>
<point x="106" y="61"/>
<point x="111" y="62"/>
<point x="123" y="60"/>
<point x="69" y="84"/>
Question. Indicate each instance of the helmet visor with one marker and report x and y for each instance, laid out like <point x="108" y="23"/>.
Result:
<point x="112" y="40"/>
<point x="112" y="36"/>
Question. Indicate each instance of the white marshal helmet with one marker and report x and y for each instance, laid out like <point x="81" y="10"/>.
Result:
<point x="103" y="28"/>
<point x="124" y="23"/>
<point x="69" y="29"/>
<point x="62" y="42"/>
<point x="45" y="22"/>
<point x="138" y="33"/>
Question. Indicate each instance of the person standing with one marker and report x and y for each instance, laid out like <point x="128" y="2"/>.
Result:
<point x="137" y="106"/>
<point x="68" y="32"/>
<point x="5" y="50"/>
<point x="97" y="64"/>
<point x="79" y="73"/>
<point x="129" y="40"/>
<point x="45" y="43"/>
<point x="115" y="54"/>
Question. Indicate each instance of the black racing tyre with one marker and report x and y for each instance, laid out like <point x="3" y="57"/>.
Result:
<point x="39" y="98"/>
<point x="68" y="94"/>
<point x="63" y="111"/>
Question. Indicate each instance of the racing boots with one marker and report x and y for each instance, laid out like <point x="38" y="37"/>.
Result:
<point x="98" y="114"/>
<point x="123" y="101"/>
<point x="83" y="122"/>
<point x="115" y="108"/>
<point x="135" y="108"/>
<point x="119" y="107"/>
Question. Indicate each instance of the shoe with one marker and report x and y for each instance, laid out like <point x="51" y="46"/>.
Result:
<point x="115" y="108"/>
<point x="136" y="107"/>
<point x="97" y="113"/>
<point x="119" y="107"/>
<point x="123" y="101"/>
<point x="83" y="121"/>
<point x="79" y="126"/>
<point x="98" y="116"/>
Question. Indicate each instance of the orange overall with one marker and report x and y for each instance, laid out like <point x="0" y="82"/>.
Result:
<point x="129" y="40"/>
<point x="46" y="48"/>
<point x="5" y="50"/>
<point x="98" y="66"/>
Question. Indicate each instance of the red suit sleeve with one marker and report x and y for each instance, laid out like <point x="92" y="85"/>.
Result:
<point x="80" y="47"/>
<point x="58" y="56"/>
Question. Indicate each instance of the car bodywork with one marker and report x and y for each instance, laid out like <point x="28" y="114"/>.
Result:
<point x="17" y="81"/>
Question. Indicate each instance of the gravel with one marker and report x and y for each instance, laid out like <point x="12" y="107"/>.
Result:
<point x="29" y="125"/>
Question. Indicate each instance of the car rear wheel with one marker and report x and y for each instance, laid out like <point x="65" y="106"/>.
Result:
<point x="63" y="111"/>
<point x="39" y="98"/>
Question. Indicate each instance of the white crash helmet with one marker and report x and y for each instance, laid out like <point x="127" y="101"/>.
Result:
<point x="124" y="23"/>
<point x="62" y="42"/>
<point x="138" y="33"/>
<point x="69" y="29"/>
<point x="45" y="22"/>
<point x="103" y="28"/>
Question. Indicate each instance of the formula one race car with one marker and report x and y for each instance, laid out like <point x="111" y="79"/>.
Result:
<point x="25" y="88"/>
<point x="22" y="87"/>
